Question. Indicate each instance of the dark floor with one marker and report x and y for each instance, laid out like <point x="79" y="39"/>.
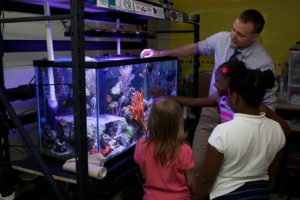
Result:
<point x="126" y="184"/>
<point x="128" y="187"/>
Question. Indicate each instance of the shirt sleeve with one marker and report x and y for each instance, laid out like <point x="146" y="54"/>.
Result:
<point x="186" y="161"/>
<point x="207" y="47"/>
<point x="216" y="139"/>
<point x="137" y="151"/>
<point x="270" y="97"/>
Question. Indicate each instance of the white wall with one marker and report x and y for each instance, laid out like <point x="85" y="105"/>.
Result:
<point x="27" y="31"/>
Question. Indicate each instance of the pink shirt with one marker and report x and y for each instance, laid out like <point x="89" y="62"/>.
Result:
<point x="226" y="114"/>
<point x="164" y="182"/>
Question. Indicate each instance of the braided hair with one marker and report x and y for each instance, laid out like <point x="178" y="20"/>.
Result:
<point x="253" y="85"/>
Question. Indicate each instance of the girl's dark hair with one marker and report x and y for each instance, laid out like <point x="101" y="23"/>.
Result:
<point x="233" y="68"/>
<point x="253" y="85"/>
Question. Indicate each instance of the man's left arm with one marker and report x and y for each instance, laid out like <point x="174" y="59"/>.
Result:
<point x="272" y="115"/>
<point x="270" y="97"/>
<point x="268" y="105"/>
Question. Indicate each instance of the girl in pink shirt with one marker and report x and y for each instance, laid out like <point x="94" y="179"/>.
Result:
<point x="164" y="159"/>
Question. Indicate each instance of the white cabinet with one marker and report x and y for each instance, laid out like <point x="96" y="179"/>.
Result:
<point x="293" y="96"/>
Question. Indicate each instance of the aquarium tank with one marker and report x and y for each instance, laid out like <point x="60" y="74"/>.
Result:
<point x="118" y="100"/>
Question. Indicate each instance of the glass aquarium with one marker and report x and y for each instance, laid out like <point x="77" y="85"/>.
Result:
<point x="118" y="100"/>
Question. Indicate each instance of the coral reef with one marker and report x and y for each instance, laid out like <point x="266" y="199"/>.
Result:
<point x="115" y="134"/>
<point x="60" y="141"/>
<point x="137" y="108"/>
<point x="121" y="91"/>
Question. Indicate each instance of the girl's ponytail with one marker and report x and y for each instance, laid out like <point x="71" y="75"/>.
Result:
<point x="268" y="79"/>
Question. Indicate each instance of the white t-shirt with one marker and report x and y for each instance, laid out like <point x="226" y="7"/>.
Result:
<point x="254" y="57"/>
<point x="249" y="144"/>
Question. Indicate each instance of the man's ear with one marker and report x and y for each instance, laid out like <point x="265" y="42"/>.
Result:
<point x="255" y="37"/>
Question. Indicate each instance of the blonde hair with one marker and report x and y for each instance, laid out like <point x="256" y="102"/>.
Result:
<point x="165" y="130"/>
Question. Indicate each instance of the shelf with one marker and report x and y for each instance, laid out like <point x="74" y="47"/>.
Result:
<point x="10" y="46"/>
<point x="283" y="105"/>
<point x="64" y="4"/>
<point x="115" y="167"/>
<point x="138" y="9"/>
<point x="293" y="85"/>
<point x="295" y="126"/>
<point x="30" y="165"/>
<point x="116" y="34"/>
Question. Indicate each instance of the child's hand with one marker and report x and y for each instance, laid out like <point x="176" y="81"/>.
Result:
<point x="157" y="93"/>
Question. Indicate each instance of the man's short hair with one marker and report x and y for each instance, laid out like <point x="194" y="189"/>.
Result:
<point x="255" y="17"/>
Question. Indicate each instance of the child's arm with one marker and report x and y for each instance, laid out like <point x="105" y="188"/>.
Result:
<point x="272" y="115"/>
<point x="189" y="175"/>
<point x="208" y="173"/>
<point x="274" y="168"/>
<point x="210" y="101"/>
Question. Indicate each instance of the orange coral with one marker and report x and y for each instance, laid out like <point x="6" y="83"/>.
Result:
<point x="106" y="150"/>
<point x="137" y="108"/>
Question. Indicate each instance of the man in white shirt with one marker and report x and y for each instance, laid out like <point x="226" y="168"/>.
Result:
<point x="243" y="37"/>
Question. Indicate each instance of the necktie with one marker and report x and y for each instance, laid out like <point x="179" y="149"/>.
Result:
<point x="235" y="53"/>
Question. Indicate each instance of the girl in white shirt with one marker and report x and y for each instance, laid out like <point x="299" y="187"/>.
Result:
<point x="243" y="154"/>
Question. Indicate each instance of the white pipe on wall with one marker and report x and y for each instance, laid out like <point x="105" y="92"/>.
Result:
<point x="52" y="100"/>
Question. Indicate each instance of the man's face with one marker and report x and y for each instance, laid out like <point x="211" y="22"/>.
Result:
<point x="242" y="35"/>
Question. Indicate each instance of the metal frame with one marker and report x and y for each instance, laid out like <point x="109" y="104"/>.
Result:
<point x="6" y="186"/>
<point x="6" y="110"/>
<point x="80" y="126"/>
<point x="196" y="65"/>
<point x="78" y="64"/>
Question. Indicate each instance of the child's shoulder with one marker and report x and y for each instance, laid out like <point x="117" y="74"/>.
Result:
<point x="185" y="147"/>
<point x="142" y="140"/>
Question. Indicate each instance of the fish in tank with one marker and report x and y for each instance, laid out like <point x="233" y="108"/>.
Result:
<point x="118" y="101"/>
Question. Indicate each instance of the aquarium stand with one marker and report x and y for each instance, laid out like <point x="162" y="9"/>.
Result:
<point x="6" y="181"/>
<point x="6" y="106"/>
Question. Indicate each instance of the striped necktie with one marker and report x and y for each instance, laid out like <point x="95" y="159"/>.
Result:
<point x="235" y="53"/>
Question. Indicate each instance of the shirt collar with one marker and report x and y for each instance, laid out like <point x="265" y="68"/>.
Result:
<point x="247" y="51"/>
<point x="250" y="117"/>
